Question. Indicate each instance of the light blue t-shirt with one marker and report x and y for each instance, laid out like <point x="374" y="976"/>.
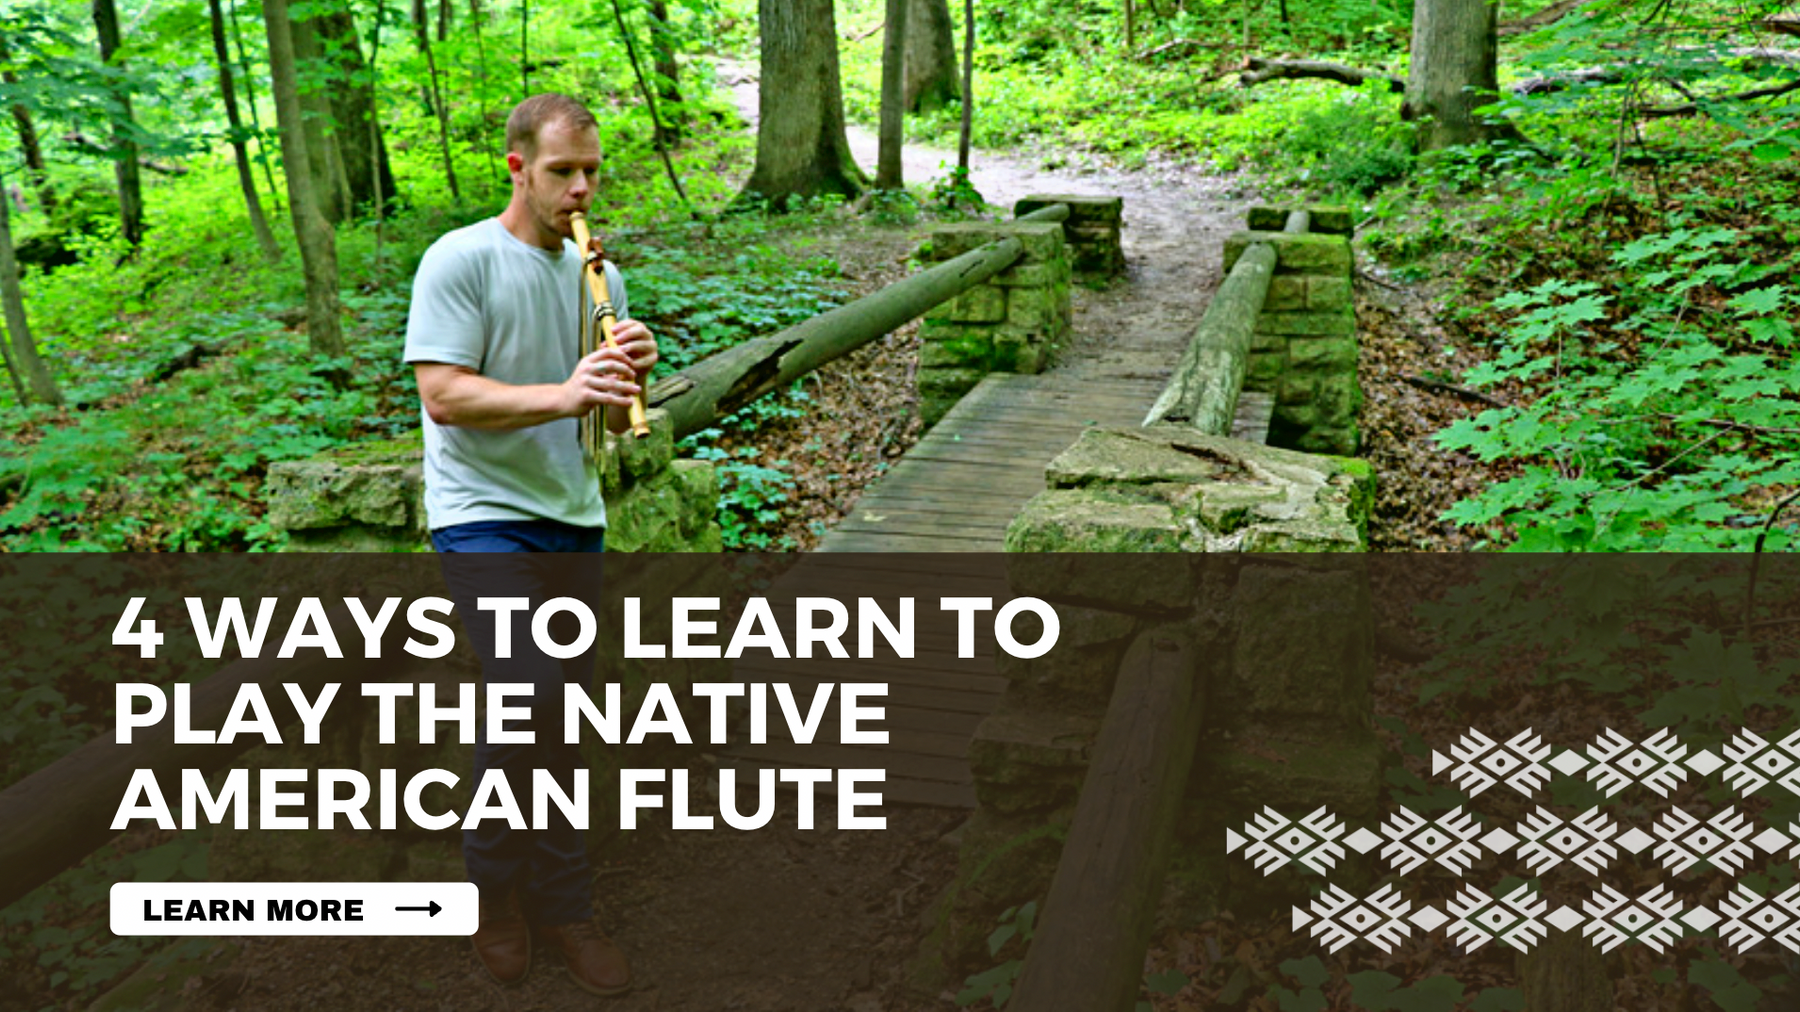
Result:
<point x="485" y="299"/>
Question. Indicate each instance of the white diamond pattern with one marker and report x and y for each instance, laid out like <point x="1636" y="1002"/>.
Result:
<point x="1725" y="842"/>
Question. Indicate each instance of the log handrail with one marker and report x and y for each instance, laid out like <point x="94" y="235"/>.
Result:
<point x="1204" y="391"/>
<point x="713" y="388"/>
<point x="1088" y="953"/>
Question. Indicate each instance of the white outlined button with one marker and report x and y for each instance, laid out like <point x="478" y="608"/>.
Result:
<point x="295" y="908"/>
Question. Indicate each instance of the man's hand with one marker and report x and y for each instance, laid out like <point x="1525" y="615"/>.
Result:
<point x="637" y="346"/>
<point x="605" y="377"/>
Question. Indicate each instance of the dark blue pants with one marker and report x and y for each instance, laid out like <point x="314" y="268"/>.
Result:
<point x="531" y="559"/>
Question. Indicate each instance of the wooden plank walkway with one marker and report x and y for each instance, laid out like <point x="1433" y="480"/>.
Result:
<point x="956" y="491"/>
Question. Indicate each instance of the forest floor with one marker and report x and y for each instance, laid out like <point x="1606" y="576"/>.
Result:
<point x="782" y="920"/>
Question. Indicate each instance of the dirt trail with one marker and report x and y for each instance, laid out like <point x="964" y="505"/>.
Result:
<point x="1176" y="220"/>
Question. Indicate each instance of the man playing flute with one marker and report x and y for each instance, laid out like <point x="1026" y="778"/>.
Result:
<point x="493" y="339"/>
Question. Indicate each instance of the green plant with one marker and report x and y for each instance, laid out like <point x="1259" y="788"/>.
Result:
<point x="996" y="984"/>
<point x="1665" y="404"/>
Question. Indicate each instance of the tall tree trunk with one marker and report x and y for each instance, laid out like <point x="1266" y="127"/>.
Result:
<point x="889" y="167"/>
<point x="801" y="150"/>
<point x="352" y="100"/>
<point x="443" y="27"/>
<point x="318" y="239"/>
<point x="524" y="49"/>
<point x="28" y="140"/>
<point x="490" y="129"/>
<point x="331" y="185"/>
<point x="423" y="34"/>
<point x="377" y="167"/>
<point x="968" y="87"/>
<point x="1131" y="23"/>
<point x="930" y="56"/>
<point x="24" y="357"/>
<point x="1455" y="68"/>
<point x="668" y="74"/>
<point x="262" y="143"/>
<point x="239" y="149"/>
<point x="124" y="148"/>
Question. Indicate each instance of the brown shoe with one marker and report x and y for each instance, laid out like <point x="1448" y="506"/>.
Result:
<point x="595" y="963"/>
<point x="503" y="941"/>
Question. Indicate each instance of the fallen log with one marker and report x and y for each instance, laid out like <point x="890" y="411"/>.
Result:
<point x="1258" y="70"/>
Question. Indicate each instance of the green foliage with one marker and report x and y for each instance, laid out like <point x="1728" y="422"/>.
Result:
<point x="1661" y="402"/>
<point x="750" y="494"/>
<point x="996" y="984"/>
<point x="1376" y="991"/>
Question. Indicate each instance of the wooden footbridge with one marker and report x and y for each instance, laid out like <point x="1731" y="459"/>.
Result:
<point x="956" y="491"/>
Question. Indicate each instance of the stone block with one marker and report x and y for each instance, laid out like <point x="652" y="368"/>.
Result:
<point x="1333" y="220"/>
<point x="1307" y="253"/>
<point x="696" y="483"/>
<point x="1327" y="293"/>
<point x="1081" y="208"/>
<point x="1334" y="323"/>
<point x="1106" y="456"/>
<point x="940" y="389"/>
<point x="359" y="538"/>
<point x="1162" y="583"/>
<point x="1323" y="353"/>
<point x="1312" y="253"/>
<point x="981" y="304"/>
<point x="1227" y="509"/>
<point x="1327" y="220"/>
<point x="950" y="240"/>
<point x="379" y="487"/>
<point x="1085" y="664"/>
<point x="1286" y="295"/>
<point x="640" y="457"/>
<point x="944" y="330"/>
<point x="1037" y="307"/>
<point x="1326" y="439"/>
<point x="1016" y="354"/>
<point x="1279" y="680"/>
<point x="1093" y="520"/>
<point x="1032" y="761"/>
<point x="1043" y="239"/>
<point x="1247" y="773"/>
<point x="1264" y="371"/>
<point x="1294" y="389"/>
<point x="964" y="352"/>
<point x="647" y="517"/>
<point x="1267" y="219"/>
<point x="1032" y="275"/>
<point x="1337" y="398"/>
<point x="1294" y="418"/>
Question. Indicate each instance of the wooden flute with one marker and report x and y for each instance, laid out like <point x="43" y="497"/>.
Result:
<point x="597" y="326"/>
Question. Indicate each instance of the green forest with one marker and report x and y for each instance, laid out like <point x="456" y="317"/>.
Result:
<point x="1575" y="225"/>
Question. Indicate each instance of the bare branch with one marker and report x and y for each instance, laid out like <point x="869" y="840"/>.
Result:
<point x="1257" y="70"/>
<point x="1176" y="44"/>
<point x="1693" y="108"/>
<point x="1549" y="15"/>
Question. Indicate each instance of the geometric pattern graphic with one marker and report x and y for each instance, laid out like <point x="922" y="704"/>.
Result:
<point x="1754" y="763"/>
<point x="1339" y="918"/>
<point x="1274" y="841"/>
<point x="1678" y="841"/>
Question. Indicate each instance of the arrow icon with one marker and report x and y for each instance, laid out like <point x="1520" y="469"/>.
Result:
<point x="434" y="908"/>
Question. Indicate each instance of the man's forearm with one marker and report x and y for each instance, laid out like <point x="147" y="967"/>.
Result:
<point x="472" y="401"/>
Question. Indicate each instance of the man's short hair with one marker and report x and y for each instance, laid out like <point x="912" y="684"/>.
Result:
<point x="539" y="111"/>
